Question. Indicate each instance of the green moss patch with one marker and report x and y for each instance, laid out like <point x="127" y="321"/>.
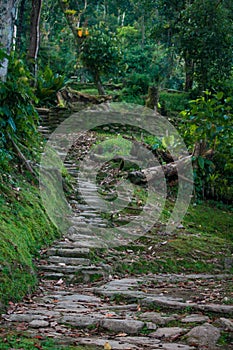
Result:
<point x="25" y="228"/>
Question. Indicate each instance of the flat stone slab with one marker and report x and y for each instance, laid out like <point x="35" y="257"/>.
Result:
<point x="80" y="321"/>
<point x="176" y="346"/>
<point x="24" y="317"/>
<point x="68" y="261"/>
<point x="74" y="252"/>
<point x="38" y="324"/>
<point x="168" y="332"/>
<point x="116" y="345"/>
<point x="158" y="318"/>
<point x="133" y="343"/>
<point x="195" y="318"/>
<point x="122" y="325"/>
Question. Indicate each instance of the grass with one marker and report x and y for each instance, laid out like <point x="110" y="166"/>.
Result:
<point x="20" y="342"/>
<point x="200" y="247"/>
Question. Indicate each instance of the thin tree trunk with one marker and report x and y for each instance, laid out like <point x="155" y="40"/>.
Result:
<point x="20" y="24"/>
<point x="189" y="71"/>
<point x="7" y="19"/>
<point x="153" y="98"/>
<point x="34" y="34"/>
<point x="143" y="31"/>
<point x="99" y="84"/>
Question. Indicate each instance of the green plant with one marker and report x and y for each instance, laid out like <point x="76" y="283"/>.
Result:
<point x="100" y="54"/>
<point x="18" y="117"/>
<point x="207" y="124"/>
<point x="47" y="85"/>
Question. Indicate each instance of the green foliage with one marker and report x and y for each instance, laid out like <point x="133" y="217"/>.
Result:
<point x="115" y="146"/>
<point x="136" y="83"/>
<point x="48" y="84"/>
<point x="128" y="35"/>
<point x="171" y="104"/>
<point x="208" y="121"/>
<point x="18" y="118"/>
<point x="100" y="52"/>
<point x="206" y="38"/>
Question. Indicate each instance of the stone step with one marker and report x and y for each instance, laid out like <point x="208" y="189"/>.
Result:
<point x="68" y="261"/>
<point x="70" y="269"/>
<point x="69" y="252"/>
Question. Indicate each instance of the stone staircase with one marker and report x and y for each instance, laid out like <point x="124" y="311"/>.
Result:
<point x="81" y="303"/>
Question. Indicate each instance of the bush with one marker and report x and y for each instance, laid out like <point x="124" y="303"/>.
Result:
<point x="48" y="84"/>
<point x="18" y="117"/>
<point x="208" y="122"/>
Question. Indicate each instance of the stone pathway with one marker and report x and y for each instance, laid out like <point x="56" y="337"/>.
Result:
<point x="78" y="302"/>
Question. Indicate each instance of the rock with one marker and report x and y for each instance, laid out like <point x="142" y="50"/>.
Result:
<point x="205" y="335"/>
<point x="176" y="347"/>
<point x="125" y="325"/>
<point x="195" y="318"/>
<point x="82" y="298"/>
<point x="38" y="324"/>
<point x="116" y="345"/>
<point x="80" y="321"/>
<point x="168" y="332"/>
<point x="226" y="324"/>
<point x="228" y="263"/>
<point x="24" y="317"/>
<point x="151" y="326"/>
<point x="158" y="318"/>
<point x="141" y="341"/>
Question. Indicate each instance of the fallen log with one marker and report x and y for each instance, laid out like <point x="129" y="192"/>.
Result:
<point x="168" y="170"/>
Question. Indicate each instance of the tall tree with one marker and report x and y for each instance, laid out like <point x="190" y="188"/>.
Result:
<point x="34" y="34"/>
<point x="201" y="31"/>
<point x="8" y="12"/>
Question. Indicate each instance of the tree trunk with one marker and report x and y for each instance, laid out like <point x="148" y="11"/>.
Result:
<point x="168" y="170"/>
<point x="189" y="72"/>
<point x="99" y="84"/>
<point x="7" y="15"/>
<point x="153" y="98"/>
<point x="20" y="24"/>
<point x="34" y="34"/>
<point x="143" y="31"/>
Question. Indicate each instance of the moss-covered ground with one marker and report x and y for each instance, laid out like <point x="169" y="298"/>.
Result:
<point x="25" y="228"/>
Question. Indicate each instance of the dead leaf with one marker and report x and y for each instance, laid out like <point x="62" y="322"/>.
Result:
<point x="107" y="346"/>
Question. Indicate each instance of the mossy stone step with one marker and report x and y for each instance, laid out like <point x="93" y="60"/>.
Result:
<point x="68" y="261"/>
<point x="69" y="252"/>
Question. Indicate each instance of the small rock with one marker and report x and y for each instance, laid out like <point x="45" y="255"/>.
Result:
<point x="168" y="332"/>
<point x="126" y="325"/>
<point x="38" y="324"/>
<point x="205" y="335"/>
<point x="151" y="326"/>
<point x="228" y="263"/>
<point x="226" y="324"/>
<point x="176" y="347"/>
<point x="195" y="318"/>
<point x="158" y="318"/>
